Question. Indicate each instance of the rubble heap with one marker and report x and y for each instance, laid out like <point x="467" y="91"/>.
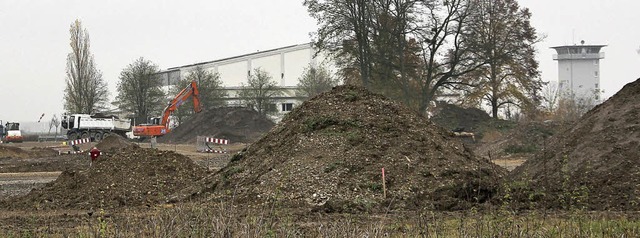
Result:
<point x="328" y="155"/>
<point x="130" y="177"/>
<point x="114" y="142"/>
<point x="237" y="124"/>
<point x="594" y="164"/>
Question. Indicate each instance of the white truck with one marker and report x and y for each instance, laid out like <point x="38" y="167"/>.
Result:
<point x="95" y="127"/>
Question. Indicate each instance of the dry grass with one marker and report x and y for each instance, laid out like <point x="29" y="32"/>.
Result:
<point x="226" y="220"/>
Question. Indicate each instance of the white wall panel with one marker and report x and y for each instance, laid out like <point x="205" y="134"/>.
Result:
<point x="234" y="74"/>
<point x="294" y="64"/>
<point x="270" y="64"/>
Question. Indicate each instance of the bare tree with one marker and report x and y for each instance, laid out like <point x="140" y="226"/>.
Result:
<point x="86" y="91"/>
<point x="55" y="122"/>
<point x="550" y="96"/>
<point x="344" y="31"/>
<point x="571" y="106"/>
<point x="210" y="87"/>
<point x="447" y="54"/>
<point x="315" y="80"/>
<point x="260" y="92"/>
<point x="140" y="91"/>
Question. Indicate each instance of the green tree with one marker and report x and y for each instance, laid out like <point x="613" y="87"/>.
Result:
<point x="86" y="91"/>
<point x="504" y="39"/>
<point x="260" y="92"/>
<point x="315" y="80"/>
<point x="210" y="87"/>
<point x="140" y="91"/>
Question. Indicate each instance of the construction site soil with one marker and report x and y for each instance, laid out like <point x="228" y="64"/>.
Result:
<point x="130" y="176"/>
<point x="328" y="154"/>
<point x="114" y="142"/>
<point x="237" y="124"/>
<point x="592" y="165"/>
<point x="16" y="152"/>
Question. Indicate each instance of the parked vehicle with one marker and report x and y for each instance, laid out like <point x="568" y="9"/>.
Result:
<point x="10" y="132"/>
<point x="95" y="127"/>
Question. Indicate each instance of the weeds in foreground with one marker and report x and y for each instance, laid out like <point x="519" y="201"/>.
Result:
<point x="227" y="220"/>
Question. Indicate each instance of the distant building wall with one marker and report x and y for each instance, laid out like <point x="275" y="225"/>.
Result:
<point x="285" y="65"/>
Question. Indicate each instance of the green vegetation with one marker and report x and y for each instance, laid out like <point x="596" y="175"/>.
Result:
<point x="520" y="149"/>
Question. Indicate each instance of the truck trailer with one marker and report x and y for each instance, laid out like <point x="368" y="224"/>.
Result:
<point x="94" y="127"/>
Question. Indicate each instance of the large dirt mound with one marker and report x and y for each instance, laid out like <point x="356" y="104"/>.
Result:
<point x="130" y="177"/>
<point x="237" y="124"/>
<point x="328" y="153"/>
<point x="593" y="164"/>
<point x="114" y="142"/>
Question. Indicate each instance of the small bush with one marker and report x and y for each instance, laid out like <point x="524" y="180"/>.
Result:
<point x="520" y="149"/>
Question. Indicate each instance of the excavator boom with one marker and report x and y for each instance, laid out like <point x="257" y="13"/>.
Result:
<point x="163" y="127"/>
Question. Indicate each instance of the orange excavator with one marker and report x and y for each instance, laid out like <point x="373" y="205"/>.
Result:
<point x="160" y="126"/>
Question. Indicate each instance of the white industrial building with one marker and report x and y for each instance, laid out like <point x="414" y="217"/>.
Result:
<point x="285" y="65"/>
<point x="579" y="70"/>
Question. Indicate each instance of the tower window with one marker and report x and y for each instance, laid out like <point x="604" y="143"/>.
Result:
<point x="595" y="73"/>
<point x="595" y="62"/>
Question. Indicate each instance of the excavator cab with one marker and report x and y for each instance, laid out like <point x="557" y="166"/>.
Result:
<point x="154" y="121"/>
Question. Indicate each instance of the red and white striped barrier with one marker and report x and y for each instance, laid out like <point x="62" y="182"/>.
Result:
<point x="215" y="151"/>
<point x="205" y="144"/>
<point x="79" y="141"/>
<point x="216" y="141"/>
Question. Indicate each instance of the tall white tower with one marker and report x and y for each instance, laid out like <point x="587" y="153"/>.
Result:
<point x="579" y="70"/>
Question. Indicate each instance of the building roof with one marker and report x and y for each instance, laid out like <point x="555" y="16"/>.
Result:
<point x="241" y="56"/>
<point x="576" y="46"/>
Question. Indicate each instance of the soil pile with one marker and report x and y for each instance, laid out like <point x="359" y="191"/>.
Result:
<point x="12" y="152"/>
<point x="523" y="141"/>
<point x="15" y="152"/>
<point x="237" y="124"/>
<point x="328" y="153"/>
<point x="114" y="142"/>
<point x="593" y="165"/>
<point x="130" y="177"/>
<point x="452" y="117"/>
<point x="455" y="118"/>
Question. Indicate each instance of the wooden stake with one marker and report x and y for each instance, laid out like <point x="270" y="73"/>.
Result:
<point x="384" y="185"/>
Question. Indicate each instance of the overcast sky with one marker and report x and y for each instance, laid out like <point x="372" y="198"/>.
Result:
<point x="34" y="39"/>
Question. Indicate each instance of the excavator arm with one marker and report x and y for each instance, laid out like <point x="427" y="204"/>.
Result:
<point x="190" y="91"/>
<point x="163" y="128"/>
